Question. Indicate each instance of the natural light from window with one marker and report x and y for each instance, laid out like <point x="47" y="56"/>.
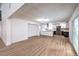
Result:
<point x="63" y="25"/>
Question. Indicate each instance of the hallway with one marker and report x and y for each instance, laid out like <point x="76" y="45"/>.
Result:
<point x="40" y="46"/>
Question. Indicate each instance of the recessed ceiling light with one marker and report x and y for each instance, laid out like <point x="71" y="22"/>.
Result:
<point x="43" y="20"/>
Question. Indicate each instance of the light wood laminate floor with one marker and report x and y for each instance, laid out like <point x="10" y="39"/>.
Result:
<point x="1" y="44"/>
<point x="40" y="46"/>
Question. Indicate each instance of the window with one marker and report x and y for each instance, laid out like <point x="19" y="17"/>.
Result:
<point x="44" y="27"/>
<point x="63" y="25"/>
<point x="48" y="26"/>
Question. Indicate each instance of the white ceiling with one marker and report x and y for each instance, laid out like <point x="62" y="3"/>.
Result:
<point x="56" y="12"/>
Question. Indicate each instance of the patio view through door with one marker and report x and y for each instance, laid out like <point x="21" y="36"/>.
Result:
<point x="75" y="33"/>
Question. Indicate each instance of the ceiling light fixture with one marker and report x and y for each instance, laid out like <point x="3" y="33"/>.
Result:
<point x="43" y="20"/>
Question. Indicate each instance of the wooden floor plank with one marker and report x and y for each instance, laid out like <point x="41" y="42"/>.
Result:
<point x="40" y="45"/>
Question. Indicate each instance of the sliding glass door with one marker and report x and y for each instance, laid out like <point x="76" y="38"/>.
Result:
<point x="75" y="33"/>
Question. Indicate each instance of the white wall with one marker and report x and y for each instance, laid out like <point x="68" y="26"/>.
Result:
<point x="19" y="30"/>
<point x="67" y="24"/>
<point x="4" y="30"/>
<point x="7" y="10"/>
<point x="23" y="29"/>
<point x="75" y="14"/>
<point x="13" y="30"/>
<point x="4" y="9"/>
